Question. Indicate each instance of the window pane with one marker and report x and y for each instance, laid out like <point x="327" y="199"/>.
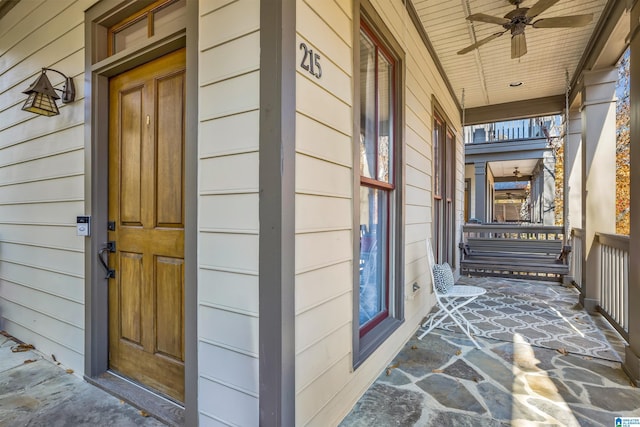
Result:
<point x="437" y="160"/>
<point x="449" y="166"/>
<point x="130" y="35"/>
<point x="367" y="107"/>
<point x="174" y="13"/>
<point x="373" y="257"/>
<point x="385" y="118"/>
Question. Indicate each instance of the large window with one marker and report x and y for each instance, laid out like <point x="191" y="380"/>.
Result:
<point x="378" y="196"/>
<point x="444" y="178"/>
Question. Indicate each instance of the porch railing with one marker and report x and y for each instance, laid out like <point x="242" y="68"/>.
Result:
<point x="614" y="280"/>
<point x="576" y="257"/>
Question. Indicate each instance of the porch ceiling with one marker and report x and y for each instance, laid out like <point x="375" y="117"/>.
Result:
<point x="485" y="73"/>
<point x="506" y="168"/>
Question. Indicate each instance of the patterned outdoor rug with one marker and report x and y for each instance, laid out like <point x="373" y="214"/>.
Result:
<point x="544" y="314"/>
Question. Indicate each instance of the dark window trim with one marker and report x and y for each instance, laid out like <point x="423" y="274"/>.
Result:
<point x="375" y="183"/>
<point x="366" y="345"/>
<point x="147" y="13"/>
<point x="444" y="214"/>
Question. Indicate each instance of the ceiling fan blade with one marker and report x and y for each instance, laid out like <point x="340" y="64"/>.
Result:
<point x="564" y="21"/>
<point x="540" y="7"/>
<point x="518" y="46"/>
<point x="480" y="43"/>
<point x="482" y="17"/>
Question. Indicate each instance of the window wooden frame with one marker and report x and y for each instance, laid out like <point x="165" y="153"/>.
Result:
<point x="147" y="13"/>
<point x="367" y="340"/>
<point x="376" y="184"/>
<point x="444" y="187"/>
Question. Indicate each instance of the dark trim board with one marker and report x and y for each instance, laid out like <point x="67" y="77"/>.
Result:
<point x="6" y="6"/>
<point x="415" y="19"/>
<point x="504" y="156"/>
<point x="96" y="136"/>
<point x="515" y="110"/>
<point x="158" y="407"/>
<point x="510" y="178"/>
<point x="515" y="146"/>
<point x="277" y="213"/>
<point x="611" y="14"/>
<point x="191" y="219"/>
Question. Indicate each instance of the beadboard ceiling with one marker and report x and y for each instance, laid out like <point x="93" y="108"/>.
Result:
<point x="485" y="74"/>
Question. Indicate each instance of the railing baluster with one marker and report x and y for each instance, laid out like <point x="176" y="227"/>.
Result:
<point x="625" y="293"/>
<point x="576" y="250"/>
<point x="616" y="285"/>
<point x="614" y="274"/>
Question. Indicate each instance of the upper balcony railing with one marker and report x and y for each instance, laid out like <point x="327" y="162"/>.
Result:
<point x="514" y="130"/>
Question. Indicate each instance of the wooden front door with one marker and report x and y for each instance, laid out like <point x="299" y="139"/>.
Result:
<point x="146" y="211"/>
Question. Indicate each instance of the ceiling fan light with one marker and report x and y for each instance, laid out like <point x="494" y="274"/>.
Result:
<point x="518" y="45"/>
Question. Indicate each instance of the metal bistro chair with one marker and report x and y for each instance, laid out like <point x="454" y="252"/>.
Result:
<point x="450" y="302"/>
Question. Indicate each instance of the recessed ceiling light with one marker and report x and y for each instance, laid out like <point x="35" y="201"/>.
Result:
<point x="515" y="84"/>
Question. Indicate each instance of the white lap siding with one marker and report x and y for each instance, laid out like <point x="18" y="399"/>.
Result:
<point x="229" y="75"/>
<point x="327" y="386"/>
<point x="42" y="181"/>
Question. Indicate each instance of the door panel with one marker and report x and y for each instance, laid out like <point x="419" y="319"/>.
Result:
<point x="131" y="157"/>
<point x="169" y="291"/>
<point x="146" y="202"/>
<point x="170" y="177"/>
<point x="130" y="298"/>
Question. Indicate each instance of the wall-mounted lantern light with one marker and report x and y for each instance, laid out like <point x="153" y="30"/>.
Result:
<point x="42" y="96"/>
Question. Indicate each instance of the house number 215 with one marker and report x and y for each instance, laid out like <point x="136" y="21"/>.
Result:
<point x="310" y="61"/>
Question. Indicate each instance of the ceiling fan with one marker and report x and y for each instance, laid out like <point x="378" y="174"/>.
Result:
<point x="516" y="173"/>
<point x="517" y="20"/>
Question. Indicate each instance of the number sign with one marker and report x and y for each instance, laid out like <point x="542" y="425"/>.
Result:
<point x="310" y="61"/>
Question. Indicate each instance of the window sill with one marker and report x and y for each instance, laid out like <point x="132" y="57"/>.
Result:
<point x="372" y="340"/>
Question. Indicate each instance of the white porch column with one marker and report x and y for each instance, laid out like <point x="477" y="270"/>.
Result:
<point x="598" y="172"/>
<point x="573" y="172"/>
<point x="632" y="354"/>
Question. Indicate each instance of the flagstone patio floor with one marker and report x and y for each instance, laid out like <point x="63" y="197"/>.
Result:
<point x="522" y="375"/>
<point x="37" y="391"/>
<point x="513" y="380"/>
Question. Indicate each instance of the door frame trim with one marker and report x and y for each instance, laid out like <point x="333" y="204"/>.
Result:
<point x="96" y="135"/>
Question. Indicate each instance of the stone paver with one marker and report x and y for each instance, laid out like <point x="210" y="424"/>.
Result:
<point x="401" y="407"/>
<point x="450" y="393"/>
<point x="500" y="404"/>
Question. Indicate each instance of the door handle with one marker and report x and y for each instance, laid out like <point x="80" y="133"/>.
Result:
<point x="103" y="257"/>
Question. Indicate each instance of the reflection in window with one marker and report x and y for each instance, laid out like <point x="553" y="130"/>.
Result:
<point x="373" y="234"/>
<point x="376" y="179"/>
